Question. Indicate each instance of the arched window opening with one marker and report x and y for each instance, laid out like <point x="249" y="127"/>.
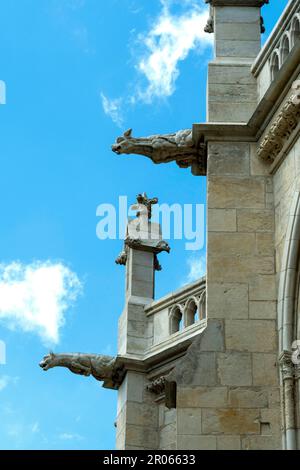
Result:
<point x="295" y="31"/>
<point x="285" y="49"/>
<point x="274" y="65"/>
<point x="191" y="313"/>
<point x="176" y="320"/>
<point x="202" y="307"/>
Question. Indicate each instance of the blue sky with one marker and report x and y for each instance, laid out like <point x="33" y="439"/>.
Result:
<point x="78" y="73"/>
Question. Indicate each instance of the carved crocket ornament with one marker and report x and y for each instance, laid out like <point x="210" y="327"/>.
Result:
<point x="102" y="368"/>
<point x="165" y="148"/>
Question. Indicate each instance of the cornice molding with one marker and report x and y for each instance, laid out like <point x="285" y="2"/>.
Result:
<point x="282" y="127"/>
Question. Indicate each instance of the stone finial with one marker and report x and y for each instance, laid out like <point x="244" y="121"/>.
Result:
<point x="102" y="368"/>
<point x="145" y="201"/>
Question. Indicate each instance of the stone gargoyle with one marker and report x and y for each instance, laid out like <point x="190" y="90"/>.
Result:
<point x="164" y="148"/>
<point x="102" y="368"/>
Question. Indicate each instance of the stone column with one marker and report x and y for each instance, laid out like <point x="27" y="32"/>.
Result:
<point x="232" y="90"/>
<point x="137" y="422"/>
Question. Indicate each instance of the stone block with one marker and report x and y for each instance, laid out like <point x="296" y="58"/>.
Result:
<point x="255" y="220"/>
<point x="237" y="31"/>
<point x="237" y="73"/>
<point x="236" y="192"/>
<point x="231" y="244"/>
<point x="250" y="335"/>
<point x="227" y="300"/>
<point x="228" y="158"/>
<point x="167" y="436"/>
<point x="213" y="337"/>
<point x="235" y="369"/>
<point x="262" y="443"/>
<point x="236" y="14"/>
<point x="241" y="49"/>
<point x="186" y="442"/>
<point x="228" y="443"/>
<point x="222" y="220"/>
<point x="230" y="112"/>
<point x="202" y="397"/>
<point x="230" y="421"/>
<point x="143" y="437"/>
<point x="233" y="93"/>
<point x="263" y="310"/>
<point x="265" y="244"/>
<point x="242" y="397"/>
<point x="262" y="287"/>
<point x="237" y="268"/>
<point x="265" y="369"/>
<point x="142" y="414"/>
<point x="189" y="421"/>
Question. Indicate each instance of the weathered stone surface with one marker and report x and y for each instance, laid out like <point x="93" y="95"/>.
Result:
<point x="263" y="310"/>
<point x="265" y="369"/>
<point x="228" y="158"/>
<point x="237" y="268"/>
<point x="189" y="421"/>
<point x="262" y="443"/>
<point x="186" y="442"/>
<point x="228" y="443"/>
<point x="233" y="93"/>
<point x="232" y="244"/>
<point x="243" y="49"/>
<point x="141" y="437"/>
<point x="255" y="220"/>
<point x="168" y="436"/>
<point x="201" y="397"/>
<point x="142" y="414"/>
<point x="235" y="369"/>
<point x="230" y="421"/>
<point x="248" y="398"/>
<point x="222" y="220"/>
<point x="265" y="245"/>
<point x="236" y="192"/>
<point x="213" y="337"/>
<point x="250" y="335"/>
<point x="239" y="74"/>
<point x="228" y="300"/>
<point x="262" y="288"/>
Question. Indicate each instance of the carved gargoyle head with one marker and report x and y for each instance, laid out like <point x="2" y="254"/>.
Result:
<point x="48" y="361"/>
<point x="123" y="144"/>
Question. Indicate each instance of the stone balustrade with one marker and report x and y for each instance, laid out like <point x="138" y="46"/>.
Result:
<point x="278" y="49"/>
<point x="180" y="314"/>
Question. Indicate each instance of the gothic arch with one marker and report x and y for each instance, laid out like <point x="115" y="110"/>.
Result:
<point x="295" y="29"/>
<point x="288" y="324"/>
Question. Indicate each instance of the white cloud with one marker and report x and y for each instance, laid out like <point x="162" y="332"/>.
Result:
<point x="169" y="41"/>
<point x="158" y="53"/>
<point x="35" y="297"/>
<point x="197" y="268"/>
<point x="113" y="109"/>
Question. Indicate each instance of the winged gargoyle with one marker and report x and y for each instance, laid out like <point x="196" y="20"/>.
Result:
<point x="102" y="368"/>
<point x="164" y="148"/>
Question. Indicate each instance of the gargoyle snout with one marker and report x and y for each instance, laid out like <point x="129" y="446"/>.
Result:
<point x="116" y="148"/>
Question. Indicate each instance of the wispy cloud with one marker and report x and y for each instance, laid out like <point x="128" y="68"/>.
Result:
<point x="167" y="43"/>
<point x="196" y="268"/>
<point x="4" y="381"/>
<point x="177" y="30"/>
<point x="35" y="297"/>
<point x="113" y="109"/>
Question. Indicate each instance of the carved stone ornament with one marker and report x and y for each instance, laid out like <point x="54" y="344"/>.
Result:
<point x="157" y="386"/>
<point x="102" y="368"/>
<point x="141" y="237"/>
<point x="286" y="365"/>
<point x="283" y="126"/>
<point x="165" y="148"/>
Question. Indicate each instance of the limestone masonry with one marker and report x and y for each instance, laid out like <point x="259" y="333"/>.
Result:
<point x="215" y="365"/>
